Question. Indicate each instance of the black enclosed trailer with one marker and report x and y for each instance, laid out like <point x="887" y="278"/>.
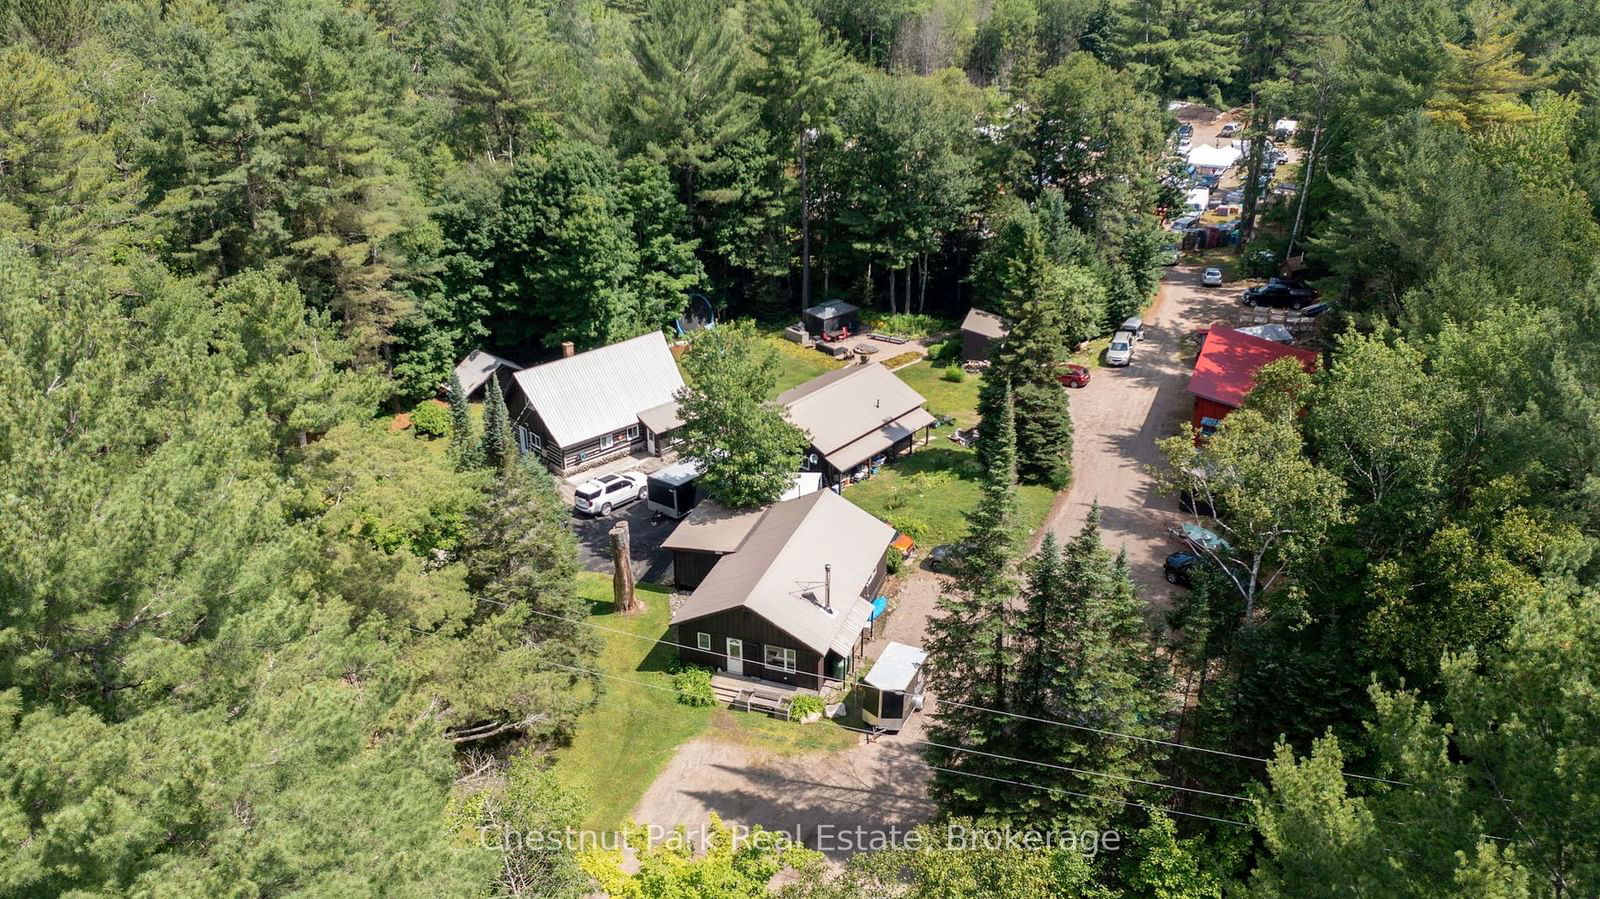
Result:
<point x="672" y="491"/>
<point x="892" y="690"/>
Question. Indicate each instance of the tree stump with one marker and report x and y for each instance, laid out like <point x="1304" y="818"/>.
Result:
<point x="622" y="592"/>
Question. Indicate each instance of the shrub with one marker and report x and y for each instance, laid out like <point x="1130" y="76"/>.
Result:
<point x="955" y="375"/>
<point x="906" y="324"/>
<point x="431" y="419"/>
<point x="694" y="687"/>
<point x="947" y="352"/>
<point x="916" y="528"/>
<point x="894" y="560"/>
<point x="806" y="705"/>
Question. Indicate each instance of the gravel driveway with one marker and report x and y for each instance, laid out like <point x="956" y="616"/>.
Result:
<point x="1119" y="417"/>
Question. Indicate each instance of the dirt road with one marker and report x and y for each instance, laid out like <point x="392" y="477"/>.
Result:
<point x="1119" y="417"/>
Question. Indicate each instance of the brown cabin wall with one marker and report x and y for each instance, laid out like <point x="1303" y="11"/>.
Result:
<point x="757" y="633"/>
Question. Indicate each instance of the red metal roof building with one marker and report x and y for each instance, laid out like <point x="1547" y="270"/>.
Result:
<point x="1226" y="370"/>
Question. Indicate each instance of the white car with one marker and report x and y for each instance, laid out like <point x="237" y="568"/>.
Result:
<point x="1121" y="350"/>
<point x="598" y="496"/>
<point x="1212" y="277"/>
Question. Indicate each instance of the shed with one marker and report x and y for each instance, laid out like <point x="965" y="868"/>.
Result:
<point x="1226" y="370"/>
<point x="980" y="331"/>
<point x="475" y="371"/>
<point x="831" y="318"/>
<point x="892" y="691"/>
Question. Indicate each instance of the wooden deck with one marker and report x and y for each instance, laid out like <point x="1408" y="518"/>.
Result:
<point x="756" y="695"/>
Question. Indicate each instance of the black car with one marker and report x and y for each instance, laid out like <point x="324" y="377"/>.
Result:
<point x="1279" y="295"/>
<point x="1186" y="503"/>
<point x="1179" y="567"/>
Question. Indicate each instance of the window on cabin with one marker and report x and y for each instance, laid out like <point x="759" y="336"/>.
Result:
<point x="781" y="658"/>
<point x="703" y="641"/>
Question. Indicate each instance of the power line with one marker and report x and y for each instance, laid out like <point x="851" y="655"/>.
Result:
<point x="956" y="771"/>
<point x="951" y="702"/>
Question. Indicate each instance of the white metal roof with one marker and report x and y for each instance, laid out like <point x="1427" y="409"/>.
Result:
<point x="474" y="371"/>
<point x="603" y="390"/>
<point x="778" y="571"/>
<point x="679" y="473"/>
<point x="896" y="668"/>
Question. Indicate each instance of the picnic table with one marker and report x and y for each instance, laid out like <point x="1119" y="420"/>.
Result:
<point x="753" y="699"/>
<point x="887" y="338"/>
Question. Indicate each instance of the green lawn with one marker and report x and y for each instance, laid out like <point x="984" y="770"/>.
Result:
<point x="621" y="746"/>
<point x="937" y="485"/>
<point x="798" y="364"/>
<point x="959" y="400"/>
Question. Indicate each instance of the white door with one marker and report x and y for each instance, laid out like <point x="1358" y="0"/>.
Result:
<point x="650" y="442"/>
<point x="735" y="656"/>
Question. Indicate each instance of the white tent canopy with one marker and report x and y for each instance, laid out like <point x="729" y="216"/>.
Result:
<point x="1285" y="126"/>
<point x="1206" y="156"/>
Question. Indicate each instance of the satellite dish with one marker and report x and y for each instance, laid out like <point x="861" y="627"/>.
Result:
<point x="697" y="315"/>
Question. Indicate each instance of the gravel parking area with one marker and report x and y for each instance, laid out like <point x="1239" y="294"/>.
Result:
<point x="1119" y="417"/>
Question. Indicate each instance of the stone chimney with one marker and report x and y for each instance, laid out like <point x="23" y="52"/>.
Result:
<point x="567" y="349"/>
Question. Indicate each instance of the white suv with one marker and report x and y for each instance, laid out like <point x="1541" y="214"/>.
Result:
<point x="598" y="496"/>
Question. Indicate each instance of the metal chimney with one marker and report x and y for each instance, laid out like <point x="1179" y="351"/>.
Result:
<point x="827" y="587"/>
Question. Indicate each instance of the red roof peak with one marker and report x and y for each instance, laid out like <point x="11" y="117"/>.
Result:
<point x="1226" y="368"/>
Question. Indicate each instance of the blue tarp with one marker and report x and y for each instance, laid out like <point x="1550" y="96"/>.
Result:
<point x="879" y="606"/>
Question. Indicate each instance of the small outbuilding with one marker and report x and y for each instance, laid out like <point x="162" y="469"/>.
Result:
<point x="892" y="690"/>
<point x="832" y="318"/>
<point x="475" y="371"/>
<point x="980" y="331"/>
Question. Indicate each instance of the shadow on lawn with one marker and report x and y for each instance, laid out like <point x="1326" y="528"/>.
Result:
<point x="961" y="463"/>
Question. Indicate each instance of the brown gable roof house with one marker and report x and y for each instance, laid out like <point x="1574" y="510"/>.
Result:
<point x="789" y="589"/>
<point x="852" y="415"/>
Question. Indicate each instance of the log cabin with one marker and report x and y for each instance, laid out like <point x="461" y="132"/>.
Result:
<point x="587" y="408"/>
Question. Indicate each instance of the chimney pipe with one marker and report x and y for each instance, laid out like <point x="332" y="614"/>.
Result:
<point x="567" y="349"/>
<point x="827" y="587"/>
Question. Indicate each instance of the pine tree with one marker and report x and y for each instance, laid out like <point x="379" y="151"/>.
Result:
<point x="1026" y="362"/>
<point x="1484" y="84"/>
<point x="968" y="656"/>
<point x="683" y="96"/>
<point x="498" y="449"/>
<point x="465" y="445"/>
